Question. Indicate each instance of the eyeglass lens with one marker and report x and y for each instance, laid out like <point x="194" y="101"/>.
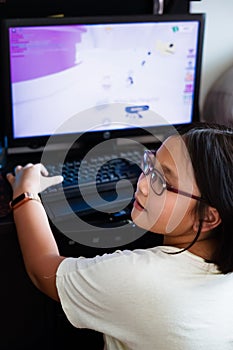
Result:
<point x="157" y="181"/>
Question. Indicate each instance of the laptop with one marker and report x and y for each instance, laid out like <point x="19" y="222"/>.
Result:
<point x="97" y="87"/>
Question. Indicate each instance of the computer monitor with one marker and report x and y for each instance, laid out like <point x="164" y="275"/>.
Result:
<point x="57" y="68"/>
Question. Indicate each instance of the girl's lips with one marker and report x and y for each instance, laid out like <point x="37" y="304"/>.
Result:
<point x="137" y="205"/>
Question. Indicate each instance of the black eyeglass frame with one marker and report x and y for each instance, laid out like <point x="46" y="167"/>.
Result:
<point x="165" y="185"/>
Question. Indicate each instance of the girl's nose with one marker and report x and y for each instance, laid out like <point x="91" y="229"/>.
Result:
<point x="143" y="184"/>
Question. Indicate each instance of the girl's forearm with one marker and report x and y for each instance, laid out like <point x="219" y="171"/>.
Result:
<point x="38" y="245"/>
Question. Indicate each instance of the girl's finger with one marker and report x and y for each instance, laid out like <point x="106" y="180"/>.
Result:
<point x="43" y="170"/>
<point x="29" y="165"/>
<point x="18" y="168"/>
<point x="10" y="177"/>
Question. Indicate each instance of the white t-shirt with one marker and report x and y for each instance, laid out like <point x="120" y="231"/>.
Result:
<point x="149" y="300"/>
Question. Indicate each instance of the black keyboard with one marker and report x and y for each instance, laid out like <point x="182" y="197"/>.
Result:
<point x="101" y="172"/>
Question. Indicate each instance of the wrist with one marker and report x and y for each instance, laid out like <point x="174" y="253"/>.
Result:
<point x="23" y="198"/>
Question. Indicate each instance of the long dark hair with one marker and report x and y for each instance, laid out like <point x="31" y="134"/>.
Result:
<point x="210" y="147"/>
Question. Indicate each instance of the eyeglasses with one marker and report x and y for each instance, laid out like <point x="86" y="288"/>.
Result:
<point x="157" y="181"/>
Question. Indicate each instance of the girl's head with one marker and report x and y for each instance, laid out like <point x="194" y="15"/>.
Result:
<point x="187" y="193"/>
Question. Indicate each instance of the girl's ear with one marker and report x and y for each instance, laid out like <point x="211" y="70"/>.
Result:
<point x="211" y="219"/>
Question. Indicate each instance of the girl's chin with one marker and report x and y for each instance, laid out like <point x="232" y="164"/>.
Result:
<point x="134" y="213"/>
<point x="138" y="220"/>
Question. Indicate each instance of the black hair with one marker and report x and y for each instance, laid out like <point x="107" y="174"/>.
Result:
<point x="210" y="147"/>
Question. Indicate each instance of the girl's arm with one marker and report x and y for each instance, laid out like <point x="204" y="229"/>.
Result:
<point x="39" y="249"/>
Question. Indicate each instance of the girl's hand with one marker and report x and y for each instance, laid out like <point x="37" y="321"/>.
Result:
<point x="31" y="178"/>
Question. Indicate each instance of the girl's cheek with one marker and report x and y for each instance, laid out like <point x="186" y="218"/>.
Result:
<point x="178" y="213"/>
<point x="157" y="214"/>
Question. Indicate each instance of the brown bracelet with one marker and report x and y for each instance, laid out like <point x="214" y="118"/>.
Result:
<point x="23" y="198"/>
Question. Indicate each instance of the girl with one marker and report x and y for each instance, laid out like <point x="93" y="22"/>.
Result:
<point x="174" y="296"/>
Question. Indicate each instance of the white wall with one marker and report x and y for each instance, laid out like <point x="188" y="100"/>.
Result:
<point x="218" y="40"/>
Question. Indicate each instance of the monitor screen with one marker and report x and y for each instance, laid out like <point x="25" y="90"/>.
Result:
<point x="58" y="68"/>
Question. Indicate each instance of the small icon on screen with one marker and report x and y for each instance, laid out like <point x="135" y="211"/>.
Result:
<point x="175" y="29"/>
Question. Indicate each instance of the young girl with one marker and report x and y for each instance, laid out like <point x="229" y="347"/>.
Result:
<point x="175" y="296"/>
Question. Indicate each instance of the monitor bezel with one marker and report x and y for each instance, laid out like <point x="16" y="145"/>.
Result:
<point x="95" y="136"/>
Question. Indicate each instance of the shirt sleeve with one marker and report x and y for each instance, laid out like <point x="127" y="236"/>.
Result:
<point x="99" y="293"/>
